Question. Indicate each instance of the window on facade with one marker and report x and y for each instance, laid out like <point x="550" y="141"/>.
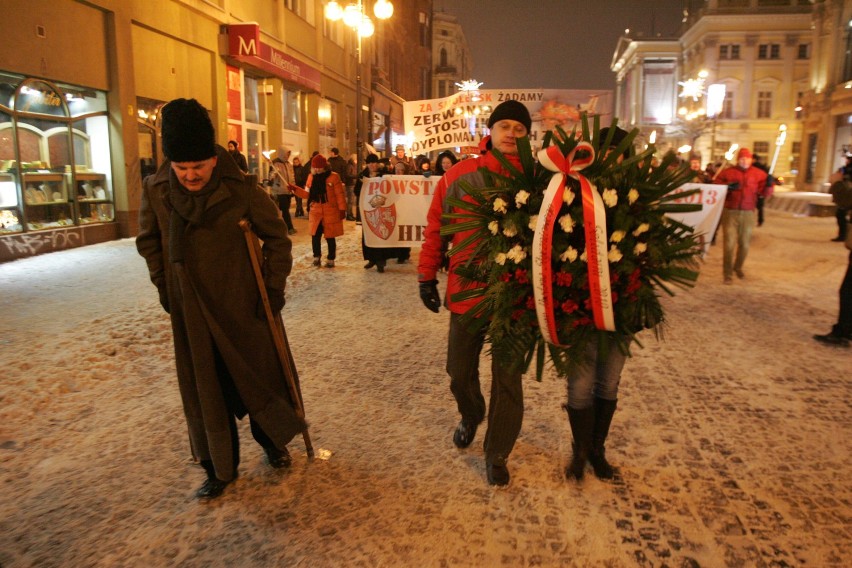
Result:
<point x="728" y="106"/>
<point x="252" y="105"/>
<point x="302" y="8"/>
<point x="847" y="59"/>
<point x="769" y="51"/>
<point x="764" y="104"/>
<point x="804" y="51"/>
<point x="442" y="89"/>
<point x="729" y="51"/>
<point x="796" y="148"/>
<point x="443" y="57"/>
<point x="761" y="147"/>
<point x="291" y="111"/>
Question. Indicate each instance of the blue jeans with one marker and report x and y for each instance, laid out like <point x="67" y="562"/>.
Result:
<point x="595" y="377"/>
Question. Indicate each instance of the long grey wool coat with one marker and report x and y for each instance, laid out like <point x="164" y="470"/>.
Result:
<point x="224" y="354"/>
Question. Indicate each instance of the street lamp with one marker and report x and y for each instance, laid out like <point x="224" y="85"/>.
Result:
<point x="354" y="17"/>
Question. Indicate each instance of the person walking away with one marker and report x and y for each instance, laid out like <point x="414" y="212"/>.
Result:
<point x="239" y="158"/>
<point x="300" y="175"/>
<point x="841" y="196"/>
<point x="745" y="184"/>
<point x="282" y="180"/>
<point x="350" y="181"/>
<point x="326" y="208"/>
<point x="841" y="332"/>
<point x="509" y="121"/>
<point x="195" y="250"/>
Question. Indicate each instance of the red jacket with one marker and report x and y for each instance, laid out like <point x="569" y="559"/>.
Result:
<point x="752" y="185"/>
<point x="431" y="254"/>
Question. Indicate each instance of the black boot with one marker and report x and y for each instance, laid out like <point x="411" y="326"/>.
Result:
<point x="604" y="409"/>
<point x="582" y="424"/>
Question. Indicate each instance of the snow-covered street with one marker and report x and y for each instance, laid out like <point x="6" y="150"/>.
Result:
<point x="732" y="436"/>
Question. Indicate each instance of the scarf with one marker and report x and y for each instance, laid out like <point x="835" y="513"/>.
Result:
<point x="318" y="191"/>
<point x="187" y="208"/>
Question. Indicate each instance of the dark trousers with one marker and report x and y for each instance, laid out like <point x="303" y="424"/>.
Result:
<point x="257" y="433"/>
<point x="842" y="216"/>
<point x="316" y="244"/>
<point x="843" y="328"/>
<point x="506" y="404"/>
<point x="284" y="205"/>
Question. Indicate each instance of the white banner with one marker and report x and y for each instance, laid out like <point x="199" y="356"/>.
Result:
<point x="459" y="120"/>
<point x="394" y="208"/>
<point x="712" y="198"/>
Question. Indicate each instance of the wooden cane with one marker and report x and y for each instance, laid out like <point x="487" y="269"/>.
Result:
<point x="276" y="327"/>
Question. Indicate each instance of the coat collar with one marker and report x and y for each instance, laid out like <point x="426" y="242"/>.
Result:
<point x="229" y="174"/>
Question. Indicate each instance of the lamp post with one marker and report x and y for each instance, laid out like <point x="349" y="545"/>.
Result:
<point x="354" y="17"/>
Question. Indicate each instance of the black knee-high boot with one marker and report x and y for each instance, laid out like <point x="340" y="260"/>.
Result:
<point x="604" y="410"/>
<point x="582" y="425"/>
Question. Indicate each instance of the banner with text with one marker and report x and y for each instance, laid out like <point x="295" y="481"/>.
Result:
<point x="712" y="199"/>
<point x="451" y="122"/>
<point x="394" y="208"/>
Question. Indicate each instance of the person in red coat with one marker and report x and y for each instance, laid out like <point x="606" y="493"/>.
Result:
<point x="746" y="184"/>
<point x="326" y="208"/>
<point x="509" y="121"/>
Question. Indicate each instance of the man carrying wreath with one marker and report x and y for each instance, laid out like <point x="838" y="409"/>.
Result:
<point x="509" y="121"/>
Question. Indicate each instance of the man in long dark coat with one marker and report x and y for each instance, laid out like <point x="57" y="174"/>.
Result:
<point x="197" y="258"/>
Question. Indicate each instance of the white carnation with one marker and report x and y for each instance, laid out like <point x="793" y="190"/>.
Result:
<point x="570" y="255"/>
<point x="499" y="205"/>
<point x="567" y="223"/>
<point x="521" y="197"/>
<point x="500" y="258"/>
<point x="632" y="196"/>
<point x="617" y="236"/>
<point x="640" y="248"/>
<point x="517" y="254"/>
<point x="614" y="255"/>
<point x="568" y="196"/>
<point x="533" y="222"/>
<point x="610" y="197"/>
<point x="494" y="227"/>
<point x="510" y="231"/>
<point x="644" y="227"/>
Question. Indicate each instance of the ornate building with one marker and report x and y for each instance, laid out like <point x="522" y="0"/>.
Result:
<point x="450" y="55"/>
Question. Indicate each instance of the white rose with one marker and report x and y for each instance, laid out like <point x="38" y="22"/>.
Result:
<point x="567" y="223"/>
<point x="640" y="248"/>
<point x="632" y="196"/>
<point x="617" y="236"/>
<point x="614" y="255"/>
<point x="610" y="197"/>
<point x="499" y="205"/>
<point x="521" y="197"/>
<point x="500" y="258"/>
<point x="568" y="196"/>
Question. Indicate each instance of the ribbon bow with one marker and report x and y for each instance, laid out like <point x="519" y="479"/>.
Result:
<point x="594" y="224"/>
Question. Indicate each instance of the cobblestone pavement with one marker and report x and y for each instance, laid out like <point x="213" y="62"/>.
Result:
<point x="732" y="435"/>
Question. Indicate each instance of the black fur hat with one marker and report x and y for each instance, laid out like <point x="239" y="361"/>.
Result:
<point x="511" y="110"/>
<point x="187" y="131"/>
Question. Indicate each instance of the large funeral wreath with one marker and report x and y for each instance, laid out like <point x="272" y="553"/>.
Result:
<point x="644" y="251"/>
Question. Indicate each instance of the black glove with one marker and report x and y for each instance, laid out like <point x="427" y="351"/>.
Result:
<point x="164" y="299"/>
<point x="733" y="186"/>
<point x="276" y="302"/>
<point x="429" y="295"/>
<point x="770" y="180"/>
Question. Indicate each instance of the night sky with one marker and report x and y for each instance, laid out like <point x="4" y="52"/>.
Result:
<point x="555" y="44"/>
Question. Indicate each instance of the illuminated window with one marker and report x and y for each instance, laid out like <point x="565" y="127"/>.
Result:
<point x="764" y="104"/>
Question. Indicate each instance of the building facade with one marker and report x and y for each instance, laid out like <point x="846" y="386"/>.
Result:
<point x="827" y="100"/>
<point x="451" y="58"/>
<point x="81" y="85"/>
<point x="735" y="75"/>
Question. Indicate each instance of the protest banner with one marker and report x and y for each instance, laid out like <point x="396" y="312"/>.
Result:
<point x="452" y="122"/>
<point x="705" y="222"/>
<point x="394" y="208"/>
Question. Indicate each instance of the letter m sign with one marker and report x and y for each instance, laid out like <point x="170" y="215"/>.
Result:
<point x="243" y="40"/>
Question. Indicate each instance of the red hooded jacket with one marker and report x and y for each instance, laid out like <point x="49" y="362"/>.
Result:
<point x="431" y="255"/>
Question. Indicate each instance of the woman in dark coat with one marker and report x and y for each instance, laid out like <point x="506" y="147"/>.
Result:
<point x="197" y="258"/>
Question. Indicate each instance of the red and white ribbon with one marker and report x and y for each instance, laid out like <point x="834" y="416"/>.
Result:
<point x="596" y="241"/>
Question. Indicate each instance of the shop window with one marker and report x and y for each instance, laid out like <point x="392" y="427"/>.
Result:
<point x="292" y="111"/>
<point x="252" y="101"/>
<point x="55" y="165"/>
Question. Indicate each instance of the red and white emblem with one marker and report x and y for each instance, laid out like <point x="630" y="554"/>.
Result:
<point x="382" y="221"/>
